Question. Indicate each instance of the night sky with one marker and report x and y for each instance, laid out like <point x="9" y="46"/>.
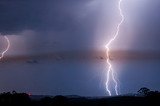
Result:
<point x="58" y="46"/>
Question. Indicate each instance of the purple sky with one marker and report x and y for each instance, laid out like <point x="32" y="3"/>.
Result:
<point x="37" y="29"/>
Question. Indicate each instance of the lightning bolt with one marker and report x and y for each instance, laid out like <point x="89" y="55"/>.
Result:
<point x="110" y="72"/>
<point x="7" y="48"/>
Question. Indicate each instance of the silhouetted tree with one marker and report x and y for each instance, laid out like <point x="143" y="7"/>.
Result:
<point x="144" y="91"/>
<point x="14" y="99"/>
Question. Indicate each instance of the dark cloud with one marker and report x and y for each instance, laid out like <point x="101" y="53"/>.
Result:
<point x="51" y="25"/>
<point x="70" y="22"/>
<point x="38" y="15"/>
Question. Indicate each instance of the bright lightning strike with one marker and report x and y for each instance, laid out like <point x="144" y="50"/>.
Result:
<point x="110" y="71"/>
<point x="7" y="48"/>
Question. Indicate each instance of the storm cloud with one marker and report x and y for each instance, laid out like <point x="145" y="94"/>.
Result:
<point x="51" y="15"/>
<point x="49" y="37"/>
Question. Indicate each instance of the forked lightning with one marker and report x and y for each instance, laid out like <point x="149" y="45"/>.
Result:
<point x="110" y="72"/>
<point x="6" y="49"/>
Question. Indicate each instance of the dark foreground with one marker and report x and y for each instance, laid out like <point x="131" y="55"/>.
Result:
<point x="23" y="99"/>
